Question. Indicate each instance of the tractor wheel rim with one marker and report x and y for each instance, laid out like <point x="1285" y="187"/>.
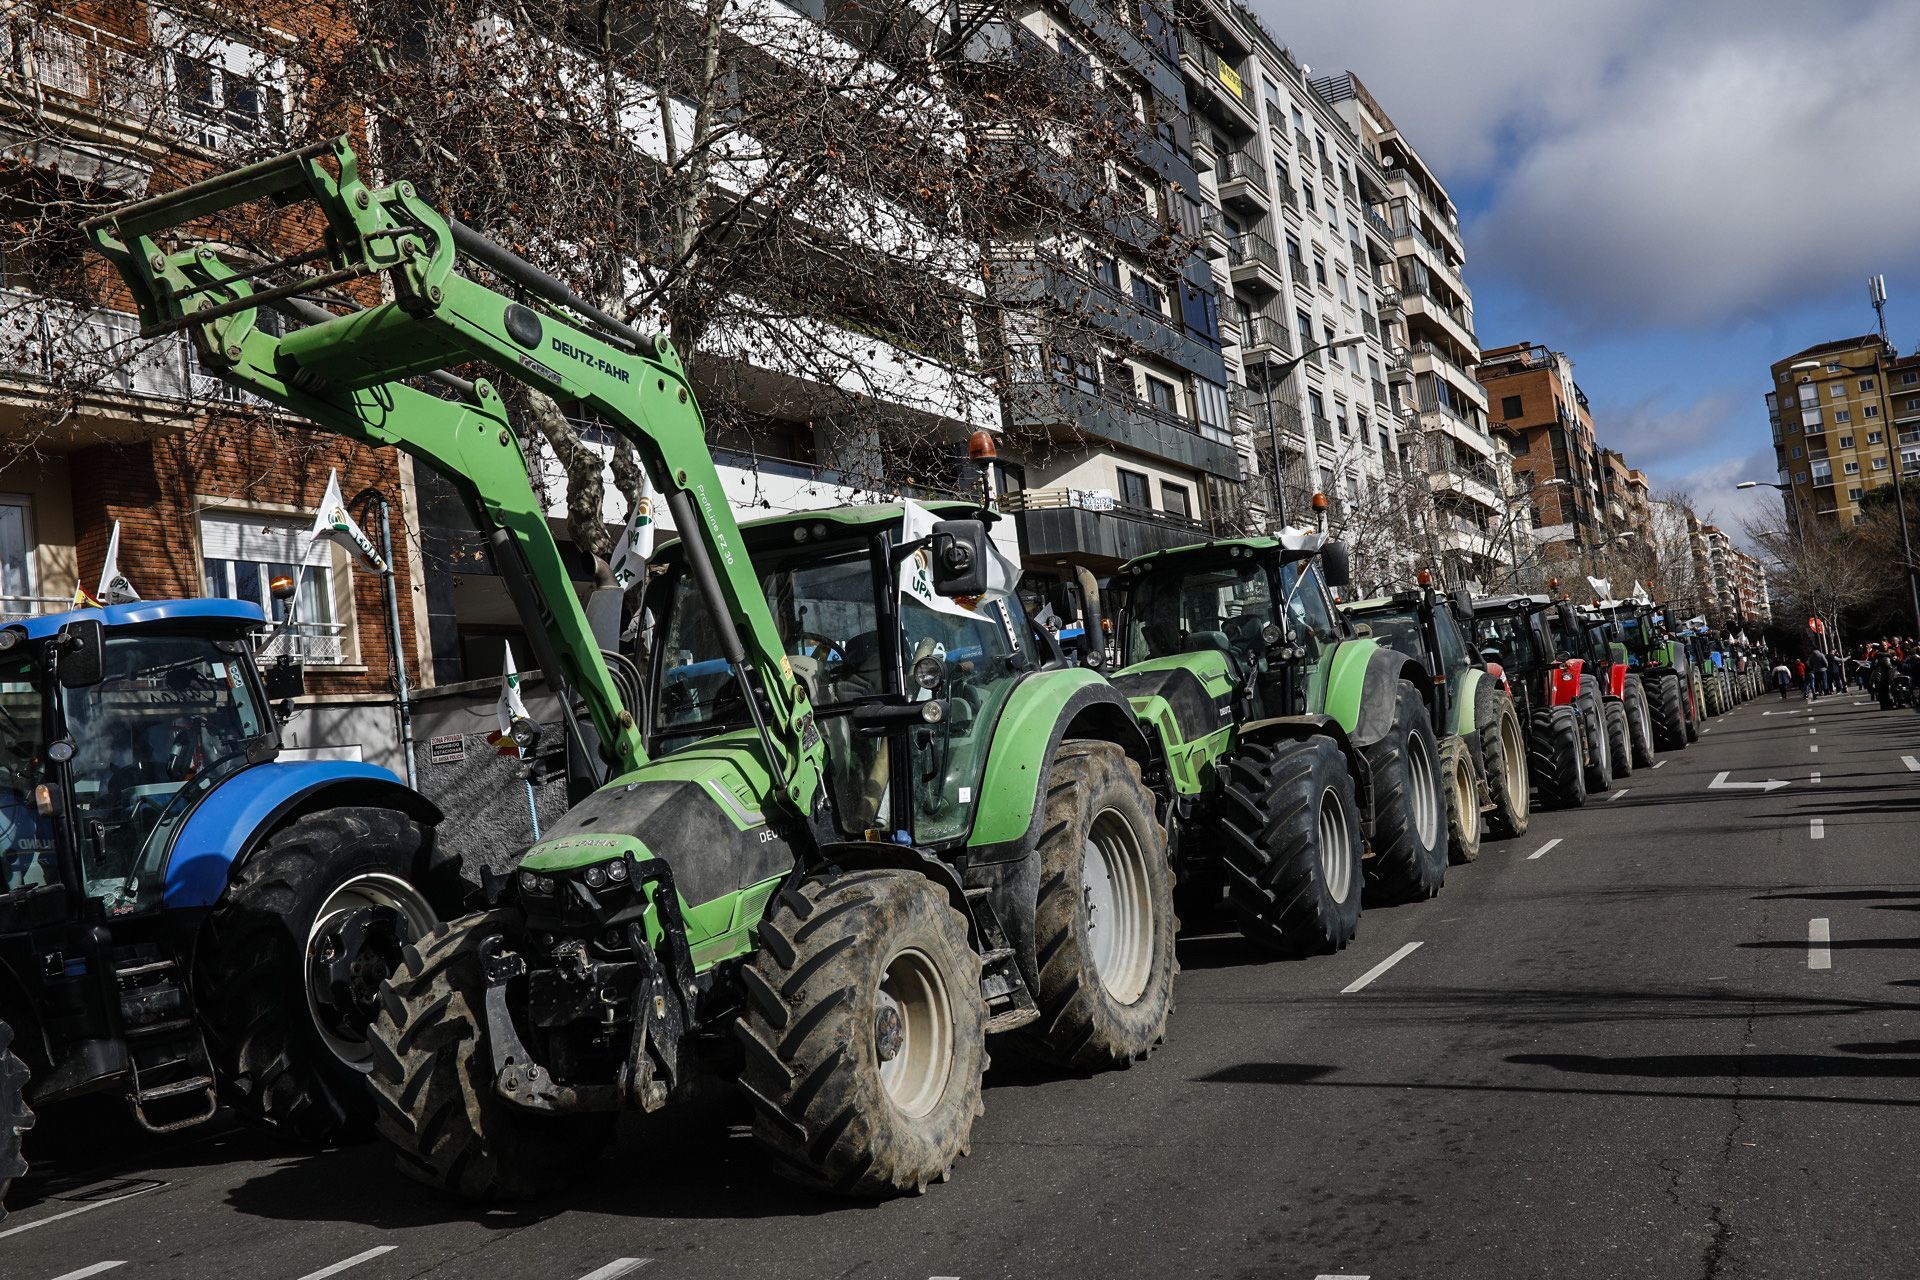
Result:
<point x="1466" y="802"/>
<point x="1336" y="845"/>
<point x="341" y="986"/>
<point x="914" y="1007"/>
<point x="1426" y="791"/>
<point x="1515" y="753"/>
<point x="1118" y="894"/>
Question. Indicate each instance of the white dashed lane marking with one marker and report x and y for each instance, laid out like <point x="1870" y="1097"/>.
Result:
<point x="85" y="1208"/>
<point x="1380" y="968"/>
<point x="1544" y="849"/>
<point x="1616" y="795"/>
<point x="1912" y="764"/>
<point x="627" y="1266"/>
<point x="93" y="1270"/>
<point x="1817" y="828"/>
<point x="344" y="1263"/>
<point x="1819" y="952"/>
<point x="1658" y="764"/>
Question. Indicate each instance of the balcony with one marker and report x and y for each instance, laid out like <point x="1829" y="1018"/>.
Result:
<point x="1243" y="181"/>
<point x="57" y="353"/>
<point x="1453" y="320"/>
<point x="1265" y="339"/>
<point x="1116" y="39"/>
<point x="1050" y="282"/>
<point x="1214" y="79"/>
<point x="1089" y="527"/>
<point x="1121" y="419"/>
<point x="1253" y="260"/>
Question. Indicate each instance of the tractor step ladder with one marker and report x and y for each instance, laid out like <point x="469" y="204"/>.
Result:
<point x="171" y="1052"/>
<point x="1009" y="1003"/>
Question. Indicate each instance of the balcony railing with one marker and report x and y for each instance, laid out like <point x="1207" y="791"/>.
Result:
<point x="1251" y="246"/>
<point x="1264" y="331"/>
<point x="1101" y="501"/>
<point x="88" y="350"/>
<point x="1244" y="166"/>
<point x="84" y="64"/>
<point x="19" y="608"/>
<point x="316" y="643"/>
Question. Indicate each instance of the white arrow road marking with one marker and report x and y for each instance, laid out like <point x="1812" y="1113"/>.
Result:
<point x="1545" y="849"/>
<point x="627" y="1266"/>
<point x="1380" y="968"/>
<point x="354" y="1261"/>
<point x="1912" y="764"/>
<point x="1817" y="828"/>
<point x="1720" y="783"/>
<point x="1819" y="954"/>
<point x="93" y="1270"/>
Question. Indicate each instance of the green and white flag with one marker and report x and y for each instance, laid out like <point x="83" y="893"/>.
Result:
<point x="635" y="548"/>
<point x="334" y="523"/>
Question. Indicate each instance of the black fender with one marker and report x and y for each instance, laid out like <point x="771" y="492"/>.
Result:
<point x="1385" y="669"/>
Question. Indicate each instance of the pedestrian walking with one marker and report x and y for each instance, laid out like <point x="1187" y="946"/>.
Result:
<point x="1817" y="671"/>
<point x="1782" y="677"/>
<point x="1883" y="677"/>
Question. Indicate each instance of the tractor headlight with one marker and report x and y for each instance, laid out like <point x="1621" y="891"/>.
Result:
<point x="60" y="750"/>
<point x="596" y="877"/>
<point x="532" y="882"/>
<point x="929" y="672"/>
<point x="933" y="712"/>
<point x="617" y="871"/>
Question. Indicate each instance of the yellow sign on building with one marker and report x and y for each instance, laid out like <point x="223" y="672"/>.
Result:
<point x="1229" y="77"/>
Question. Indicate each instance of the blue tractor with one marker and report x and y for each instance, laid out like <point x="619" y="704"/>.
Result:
<point x="187" y="920"/>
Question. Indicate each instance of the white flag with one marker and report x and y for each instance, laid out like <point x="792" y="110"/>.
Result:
<point x="916" y="572"/>
<point x="1640" y="595"/>
<point x="510" y="707"/>
<point x="635" y="548"/>
<point x="1602" y="587"/>
<point x="114" y="586"/>
<point x="335" y="523"/>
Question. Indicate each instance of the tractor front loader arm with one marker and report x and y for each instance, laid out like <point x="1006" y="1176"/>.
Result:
<point x="352" y="372"/>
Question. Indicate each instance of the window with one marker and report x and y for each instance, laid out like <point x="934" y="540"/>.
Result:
<point x="16" y="555"/>
<point x="242" y="553"/>
<point x="1150" y="295"/>
<point x="1133" y="489"/>
<point x="1879" y="464"/>
<point x="1162" y="395"/>
<point x="1075" y="58"/>
<point x="1866" y="384"/>
<point x="1851" y="469"/>
<point x="1914" y="403"/>
<point x="1307" y="196"/>
<point x="1875" y="437"/>
<point x="1320" y="268"/>
<point x="1360" y="427"/>
<point x="1299" y="121"/>
<point x="1317" y="407"/>
<point x="1509" y="407"/>
<point x="1175" y="500"/>
<point x="1909" y="378"/>
<point x="1800" y="477"/>
<point x="1105" y="270"/>
<point x="1797" y="451"/>
<point x="219" y="90"/>
<point x="1842" y="415"/>
<point x="1303" y="325"/>
<point x="1341" y="286"/>
<point x="1854" y="495"/>
<point x="1846" y="442"/>
<point x="1869" y="410"/>
<point x="1836" y="391"/>
<point x="1076" y="369"/>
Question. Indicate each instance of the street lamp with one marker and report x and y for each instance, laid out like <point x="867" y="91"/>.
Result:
<point x="1273" y="429"/>
<point x="1794" y="520"/>
<point x="1899" y="480"/>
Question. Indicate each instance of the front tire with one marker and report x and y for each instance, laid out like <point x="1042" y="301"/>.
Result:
<point x="1593" y="727"/>
<point x="865" y="1034"/>
<point x="289" y="972"/>
<point x="1462" y="781"/>
<point x="15" y="1116"/>
<point x="1619" y="750"/>
<point x="1503" y="758"/>
<point x="433" y="1080"/>
<point x="1288" y="830"/>
<point x="1554" y="758"/>
<point x="1409" y="804"/>
<point x="1639" y="724"/>
<point x="1103" y="921"/>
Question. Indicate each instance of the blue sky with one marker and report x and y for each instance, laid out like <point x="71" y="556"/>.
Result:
<point x="1676" y="193"/>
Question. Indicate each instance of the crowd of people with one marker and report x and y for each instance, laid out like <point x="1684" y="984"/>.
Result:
<point x="1887" y="669"/>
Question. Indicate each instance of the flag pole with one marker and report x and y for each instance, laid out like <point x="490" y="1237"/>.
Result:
<point x="402" y="705"/>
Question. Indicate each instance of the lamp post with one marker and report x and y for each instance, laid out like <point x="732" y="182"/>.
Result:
<point x="1273" y="429"/>
<point x="1798" y="525"/>
<point x="1899" y="479"/>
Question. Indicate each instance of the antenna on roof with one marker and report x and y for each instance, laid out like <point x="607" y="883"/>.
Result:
<point x="1877" y="290"/>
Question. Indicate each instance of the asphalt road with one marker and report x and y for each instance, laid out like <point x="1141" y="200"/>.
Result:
<point x="1671" y="1034"/>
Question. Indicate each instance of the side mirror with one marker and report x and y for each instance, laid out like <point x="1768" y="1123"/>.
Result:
<point x="1567" y="619"/>
<point x="83" y="654"/>
<point x="959" y="554"/>
<point x="285" y="677"/>
<point x="1336" y="565"/>
<point x="1462" y="604"/>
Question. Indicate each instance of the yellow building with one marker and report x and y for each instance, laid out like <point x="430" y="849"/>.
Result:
<point x="1835" y="410"/>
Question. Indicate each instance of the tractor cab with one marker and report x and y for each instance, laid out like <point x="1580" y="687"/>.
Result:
<point x="1522" y="636"/>
<point x="1424" y="625"/>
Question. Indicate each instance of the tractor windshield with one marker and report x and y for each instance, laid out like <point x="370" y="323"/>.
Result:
<point x="1507" y="638"/>
<point x="1184" y="608"/>
<point x="174" y="716"/>
<point x="26" y="838"/>
<point x="1399" y="630"/>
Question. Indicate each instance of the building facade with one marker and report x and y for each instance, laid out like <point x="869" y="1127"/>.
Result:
<point x="1838" y="411"/>
<point x="1545" y="416"/>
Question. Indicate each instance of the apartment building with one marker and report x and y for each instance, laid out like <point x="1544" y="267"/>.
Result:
<point x="1290" y="229"/>
<point x="1752" y="598"/>
<point x="1428" y="308"/>
<point x="212" y="493"/>
<point x="1539" y="408"/>
<point x="1836" y="410"/>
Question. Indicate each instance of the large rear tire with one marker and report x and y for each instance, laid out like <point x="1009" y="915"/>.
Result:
<point x="288" y="974"/>
<point x="1554" y="758"/>
<point x="1619" y="749"/>
<point x="15" y="1116"/>
<point x="1409" y="804"/>
<point x="1103" y="924"/>
<point x="1639" y="724"/>
<point x="1593" y="724"/>
<point x="433" y="1080"/>
<point x="1462" y="780"/>
<point x="1698" y="703"/>
<point x="865" y="1034"/>
<point x="1288" y="831"/>
<point x="1666" y="704"/>
<point x="1503" y="758"/>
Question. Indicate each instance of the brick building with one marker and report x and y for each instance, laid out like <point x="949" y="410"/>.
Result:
<point x="1535" y="403"/>
<point x="213" y="493"/>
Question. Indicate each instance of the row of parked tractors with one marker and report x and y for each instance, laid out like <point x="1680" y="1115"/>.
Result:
<point x="841" y="808"/>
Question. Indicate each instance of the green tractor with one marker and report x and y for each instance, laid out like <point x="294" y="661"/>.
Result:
<point x="842" y="818"/>
<point x="1667" y="674"/>
<point x="1483" y="751"/>
<point x="1297" y="755"/>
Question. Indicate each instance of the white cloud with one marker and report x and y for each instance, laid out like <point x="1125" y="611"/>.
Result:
<point x="1647" y="162"/>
